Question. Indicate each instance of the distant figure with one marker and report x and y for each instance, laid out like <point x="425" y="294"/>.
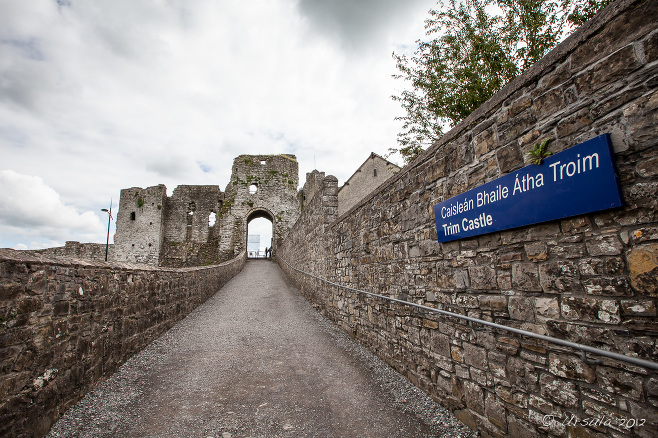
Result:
<point x="268" y="252"/>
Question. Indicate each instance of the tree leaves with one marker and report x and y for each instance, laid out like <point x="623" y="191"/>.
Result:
<point x="478" y="46"/>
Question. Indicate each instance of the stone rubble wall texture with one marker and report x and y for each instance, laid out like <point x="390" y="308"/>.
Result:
<point x="140" y="225"/>
<point x="311" y="186"/>
<point x="276" y="178"/>
<point x="370" y="175"/>
<point x="77" y="250"/>
<point x="590" y="279"/>
<point x="67" y="324"/>
<point x="189" y="239"/>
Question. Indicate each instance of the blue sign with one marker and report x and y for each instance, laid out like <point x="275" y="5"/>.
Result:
<point x="579" y="180"/>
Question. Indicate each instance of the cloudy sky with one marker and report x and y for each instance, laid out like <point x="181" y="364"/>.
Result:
<point x="100" y="95"/>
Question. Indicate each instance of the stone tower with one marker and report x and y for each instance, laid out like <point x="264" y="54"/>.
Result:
<point x="140" y="225"/>
<point x="260" y="186"/>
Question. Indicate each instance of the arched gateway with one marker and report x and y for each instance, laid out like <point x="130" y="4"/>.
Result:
<point x="200" y="225"/>
<point x="265" y="217"/>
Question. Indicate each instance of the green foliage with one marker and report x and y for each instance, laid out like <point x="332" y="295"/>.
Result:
<point x="159" y="207"/>
<point x="473" y="54"/>
<point x="539" y="151"/>
<point x="140" y="201"/>
<point x="584" y="10"/>
<point x="226" y="207"/>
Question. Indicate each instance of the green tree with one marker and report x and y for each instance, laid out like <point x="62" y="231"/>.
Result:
<point x="585" y="10"/>
<point x="478" y="46"/>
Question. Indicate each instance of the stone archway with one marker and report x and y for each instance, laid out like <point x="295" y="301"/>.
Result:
<point x="255" y="214"/>
<point x="260" y="186"/>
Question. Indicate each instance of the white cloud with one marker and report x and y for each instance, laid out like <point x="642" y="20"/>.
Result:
<point x="103" y="95"/>
<point x="28" y="206"/>
<point x="261" y="227"/>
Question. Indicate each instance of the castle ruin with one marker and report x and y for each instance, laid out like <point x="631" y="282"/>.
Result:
<point x="201" y="225"/>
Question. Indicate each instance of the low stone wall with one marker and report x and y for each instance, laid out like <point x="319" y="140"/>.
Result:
<point x="590" y="279"/>
<point x="77" y="250"/>
<point x="66" y="324"/>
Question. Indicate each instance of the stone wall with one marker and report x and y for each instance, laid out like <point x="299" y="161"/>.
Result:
<point x="311" y="186"/>
<point x="67" y="324"/>
<point x="590" y="279"/>
<point x="189" y="237"/>
<point x="370" y="175"/>
<point x="261" y="186"/>
<point x="140" y="225"/>
<point x="77" y="250"/>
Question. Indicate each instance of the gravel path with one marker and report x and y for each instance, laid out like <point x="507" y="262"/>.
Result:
<point x="256" y="360"/>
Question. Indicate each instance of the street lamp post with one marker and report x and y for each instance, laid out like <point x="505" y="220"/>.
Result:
<point x="109" y="219"/>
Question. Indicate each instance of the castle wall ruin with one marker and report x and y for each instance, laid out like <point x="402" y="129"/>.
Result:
<point x="140" y="225"/>
<point x="201" y="225"/>
<point x="189" y="237"/>
<point x="261" y="186"/>
<point x="590" y="279"/>
<point x="83" y="251"/>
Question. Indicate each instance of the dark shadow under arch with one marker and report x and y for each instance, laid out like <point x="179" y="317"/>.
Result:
<point x="260" y="213"/>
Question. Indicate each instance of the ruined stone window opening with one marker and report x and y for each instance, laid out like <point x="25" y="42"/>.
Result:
<point x="132" y="215"/>
<point x="253" y="188"/>
<point x="263" y="162"/>
<point x="212" y="218"/>
<point x="374" y="172"/>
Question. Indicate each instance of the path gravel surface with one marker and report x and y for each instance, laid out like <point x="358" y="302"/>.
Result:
<point x="256" y="360"/>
